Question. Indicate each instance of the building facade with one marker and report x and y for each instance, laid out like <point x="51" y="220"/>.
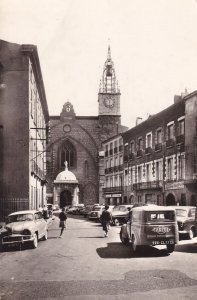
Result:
<point x="160" y="156"/>
<point x="77" y="141"/>
<point x="23" y="129"/>
<point x="114" y="171"/>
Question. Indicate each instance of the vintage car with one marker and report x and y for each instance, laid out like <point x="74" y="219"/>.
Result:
<point x="120" y="214"/>
<point x="187" y="220"/>
<point x="151" y="225"/>
<point x="96" y="212"/>
<point x="25" y="227"/>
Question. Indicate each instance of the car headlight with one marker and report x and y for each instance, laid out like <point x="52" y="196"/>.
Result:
<point x="9" y="230"/>
<point x="26" y="232"/>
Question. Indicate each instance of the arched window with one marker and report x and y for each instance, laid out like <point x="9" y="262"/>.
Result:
<point x="67" y="153"/>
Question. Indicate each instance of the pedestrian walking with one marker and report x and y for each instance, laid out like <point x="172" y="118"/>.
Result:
<point x="63" y="218"/>
<point x="106" y="218"/>
<point x="129" y="215"/>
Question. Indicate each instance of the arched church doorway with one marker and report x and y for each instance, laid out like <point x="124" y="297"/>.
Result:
<point x="65" y="198"/>
<point x="170" y="200"/>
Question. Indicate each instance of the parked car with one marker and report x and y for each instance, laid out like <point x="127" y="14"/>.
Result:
<point x="75" y="210"/>
<point x="120" y="214"/>
<point x="96" y="212"/>
<point x="187" y="220"/>
<point x="151" y="225"/>
<point x="86" y="210"/>
<point x="25" y="227"/>
<point x="72" y="210"/>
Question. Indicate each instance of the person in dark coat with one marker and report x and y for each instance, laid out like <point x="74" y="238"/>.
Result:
<point x="63" y="218"/>
<point x="106" y="218"/>
<point x="45" y="213"/>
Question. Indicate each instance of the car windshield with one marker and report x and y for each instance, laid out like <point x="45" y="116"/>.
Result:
<point x="97" y="208"/>
<point x="161" y="216"/>
<point x="20" y="217"/>
<point x="120" y="208"/>
<point x="181" y="212"/>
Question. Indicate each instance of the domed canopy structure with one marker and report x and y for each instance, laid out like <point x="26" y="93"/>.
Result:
<point x="66" y="176"/>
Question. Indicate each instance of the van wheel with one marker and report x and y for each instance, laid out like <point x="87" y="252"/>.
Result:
<point x="116" y="222"/>
<point x="133" y="245"/>
<point x="191" y="233"/>
<point x="170" y="248"/>
<point x="124" y="240"/>
<point x="35" y="241"/>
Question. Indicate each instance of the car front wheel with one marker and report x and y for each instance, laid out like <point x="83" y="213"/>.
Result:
<point x="45" y="237"/>
<point x="35" y="241"/>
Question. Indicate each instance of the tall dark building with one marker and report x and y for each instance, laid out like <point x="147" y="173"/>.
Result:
<point x="23" y="127"/>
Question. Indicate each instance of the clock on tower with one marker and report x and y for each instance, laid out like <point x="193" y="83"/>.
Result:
<point x="108" y="101"/>
<point x="109" y="93"/>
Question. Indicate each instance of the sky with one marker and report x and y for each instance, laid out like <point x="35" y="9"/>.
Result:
<point x="153" y="47"/>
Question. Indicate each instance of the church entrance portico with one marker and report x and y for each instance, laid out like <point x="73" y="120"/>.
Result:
<point x="66" y="189"/>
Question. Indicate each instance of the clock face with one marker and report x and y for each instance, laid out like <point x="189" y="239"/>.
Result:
<point x="108" y="101"/>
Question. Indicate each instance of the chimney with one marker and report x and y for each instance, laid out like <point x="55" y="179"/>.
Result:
<point x="138" y="120"/>
<point x="185" y="93"/>
<point x="177" y="98"/>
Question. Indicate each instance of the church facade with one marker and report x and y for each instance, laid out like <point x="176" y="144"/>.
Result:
<point x="77" y="142"/>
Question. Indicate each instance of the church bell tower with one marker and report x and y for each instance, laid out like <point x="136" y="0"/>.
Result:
<point x="109" y="100"/>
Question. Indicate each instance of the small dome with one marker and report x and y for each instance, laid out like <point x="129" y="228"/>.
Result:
<point x="66" y="175"/>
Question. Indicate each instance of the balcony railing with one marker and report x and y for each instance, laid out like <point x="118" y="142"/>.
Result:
<point x="125" y="157"/>
<point x="169" y="143"/>
<point x="120" y="167"/>
<point x="113" y="189"/>
<point x="158" y="147"/>
<point x="148" y="150"/>
<point x="132" y="156"/>
<point x="115" y="168"/>
<point x="115" y="150"/>
<point x="106" y="171"/>
<point x="147" y="185"/>
<point x="139" y="153"/>
<point x="180" y="139"/>
<point x="110" y="170"/>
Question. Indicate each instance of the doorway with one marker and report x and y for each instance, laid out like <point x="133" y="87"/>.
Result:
<point x="170" y="200"/>
<point x="65" y="198"/>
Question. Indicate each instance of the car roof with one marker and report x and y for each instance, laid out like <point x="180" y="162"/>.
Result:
<point x="153" y="208"/>
<point x="126" y="205"/>
<point x="23" y="212"/>
<point x="182" y="206"/>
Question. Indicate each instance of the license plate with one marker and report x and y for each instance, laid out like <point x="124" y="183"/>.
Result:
<point x="168" y="242"/>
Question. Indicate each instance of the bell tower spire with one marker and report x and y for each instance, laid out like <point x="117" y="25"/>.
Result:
<point x="109" y="100"/>
<point x="109" y="83"/>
